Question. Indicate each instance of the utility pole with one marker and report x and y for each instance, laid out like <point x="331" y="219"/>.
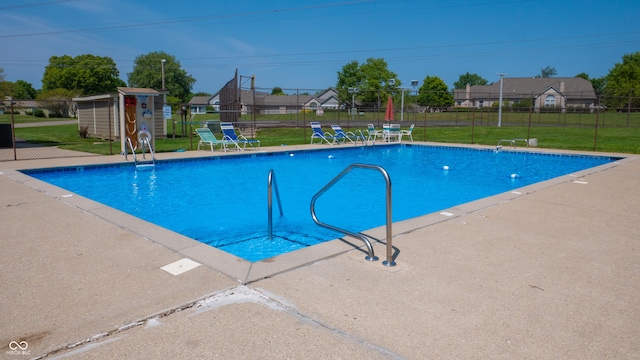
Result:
<point x="502" y="75"/>
<point x="162" y="64"/>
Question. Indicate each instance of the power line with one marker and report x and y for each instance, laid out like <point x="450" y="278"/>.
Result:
<point x="34" y="4"/>
<point x="182" y="20"/>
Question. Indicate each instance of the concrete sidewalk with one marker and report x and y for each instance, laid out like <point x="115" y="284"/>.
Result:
<point x="550" y="273"/>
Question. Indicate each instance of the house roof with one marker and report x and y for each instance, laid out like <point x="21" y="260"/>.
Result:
<point x="137" y="91"/>
<point x="574" y="88"/>
<point x="276" y="100"/>
<point x="96" y="97"/>
<point x="326" y="94"/>
<point x="200" y="100"/>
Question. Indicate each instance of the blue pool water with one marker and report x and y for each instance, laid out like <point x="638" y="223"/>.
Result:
<point x="222" y="201"/>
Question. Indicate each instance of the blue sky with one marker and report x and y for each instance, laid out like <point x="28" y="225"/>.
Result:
<point x="298" y="44"/>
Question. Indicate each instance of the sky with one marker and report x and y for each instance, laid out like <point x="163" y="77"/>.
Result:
<point x="301" y="45"/>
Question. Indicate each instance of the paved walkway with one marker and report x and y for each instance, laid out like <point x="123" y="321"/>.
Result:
<point x="551" y="273"/>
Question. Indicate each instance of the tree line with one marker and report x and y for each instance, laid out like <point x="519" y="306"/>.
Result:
<point x="371" y="82"/>
<point x="66" y="77"/>
<point x="368" y="83"/>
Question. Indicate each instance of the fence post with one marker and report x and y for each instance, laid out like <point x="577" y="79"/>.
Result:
<point x="595" y="135"/>
<point x="13" y="130"/>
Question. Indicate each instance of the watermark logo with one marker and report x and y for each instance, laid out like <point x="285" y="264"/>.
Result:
<point x="18" y="348"/>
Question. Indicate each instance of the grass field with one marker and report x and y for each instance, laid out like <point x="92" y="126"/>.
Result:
<point x="616" y="132"/>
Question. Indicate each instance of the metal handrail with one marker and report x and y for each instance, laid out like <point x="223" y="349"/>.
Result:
<point x="153" y="156"/>
<point x="512" y="142"/>
<point x="272" y="184"/>
<point x="370" y="256"/>
<point x="132" y="151"/>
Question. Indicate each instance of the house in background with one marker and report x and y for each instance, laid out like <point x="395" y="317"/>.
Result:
<point x="327" y="99"/>
<point x="198" y="104"/>
<point x="561" y="93"/>
<point x="267" y="104"/>
<point x="48" y="108"/>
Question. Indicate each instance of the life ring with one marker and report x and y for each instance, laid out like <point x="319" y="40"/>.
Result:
<point x="144" y="135"/>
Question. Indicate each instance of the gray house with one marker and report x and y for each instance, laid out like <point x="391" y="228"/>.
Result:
<point x="265" y="103"/>
<point x="327" y="99"/>
<point x="199" y="104"/>
<point x="559" y="93"/>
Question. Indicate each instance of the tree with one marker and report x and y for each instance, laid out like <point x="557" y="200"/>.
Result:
<point x="87" y="74"/>
<point x="57" y="101"/>
<point x="434" y="93"/>
<point x="583" y="75"/>
<point x="623" y="82"/>
<point x="596" y="83"/>
<point x="349" y="77"/>
<point x="547" y="72"/>
<point x="147" y="73"/>
<point x="277" y="91"/>
<point x="371" y="78"/>
<point x="23" y="90"/>
<point x="376" y="84"/>
<point x="471" y="79"/>
<point x="4" y="86"/>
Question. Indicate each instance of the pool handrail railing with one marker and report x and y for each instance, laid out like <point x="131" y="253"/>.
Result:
<point x="371" y="256"/>
<point x="272" y="185"/>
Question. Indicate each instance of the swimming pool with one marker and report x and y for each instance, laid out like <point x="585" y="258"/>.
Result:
<point x="222" y="200"/>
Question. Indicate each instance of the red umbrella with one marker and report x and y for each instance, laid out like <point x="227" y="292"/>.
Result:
<point x="388" y="115"/>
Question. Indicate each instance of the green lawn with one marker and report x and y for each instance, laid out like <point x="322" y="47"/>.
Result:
<point x="571" y="131"/>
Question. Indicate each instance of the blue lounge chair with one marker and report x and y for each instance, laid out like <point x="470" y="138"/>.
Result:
<point x="341" y="135"/>
<point x="230" y="135"/>
<point x="319" y="134"/>
<point x="207" y="137"/>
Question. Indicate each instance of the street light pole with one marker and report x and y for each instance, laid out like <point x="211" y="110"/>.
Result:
<point x="162" y="64"/>
<point x="414" y="83"/>
<point x="402" y="105"/>
<point x="500" y="104"/>
<point x="353" y="91"/>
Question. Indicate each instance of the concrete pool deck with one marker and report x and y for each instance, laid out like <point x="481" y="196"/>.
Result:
<point x="549" y="272"/>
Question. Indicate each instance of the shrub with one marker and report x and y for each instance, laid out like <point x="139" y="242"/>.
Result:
<point x="55" y="114"/>
<point x="38" y="113"/>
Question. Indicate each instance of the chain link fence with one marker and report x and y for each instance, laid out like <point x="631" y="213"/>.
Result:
<point x="32" y="129"/>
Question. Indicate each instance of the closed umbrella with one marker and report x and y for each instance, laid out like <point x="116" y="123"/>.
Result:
<point x="388" y="115"/>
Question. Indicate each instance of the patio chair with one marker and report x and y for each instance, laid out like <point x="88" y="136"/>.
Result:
<point x="207" y="137"/>
<point x="230" y="135"/>
<point x="407" y="132"/>
<point x="319" y="134"/>
<point x="341" y="135"/>
<point x="391" y="132"/>
<point x="373" y="133"/>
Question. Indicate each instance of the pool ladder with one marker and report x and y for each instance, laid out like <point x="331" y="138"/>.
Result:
<point x="511" y="142"/>
<point x="272" y="186"/>
<point x="144" y="163"/>
<point x="370" y="256"/>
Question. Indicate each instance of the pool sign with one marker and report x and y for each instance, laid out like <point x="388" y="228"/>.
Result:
<point x="167" y="112"/>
